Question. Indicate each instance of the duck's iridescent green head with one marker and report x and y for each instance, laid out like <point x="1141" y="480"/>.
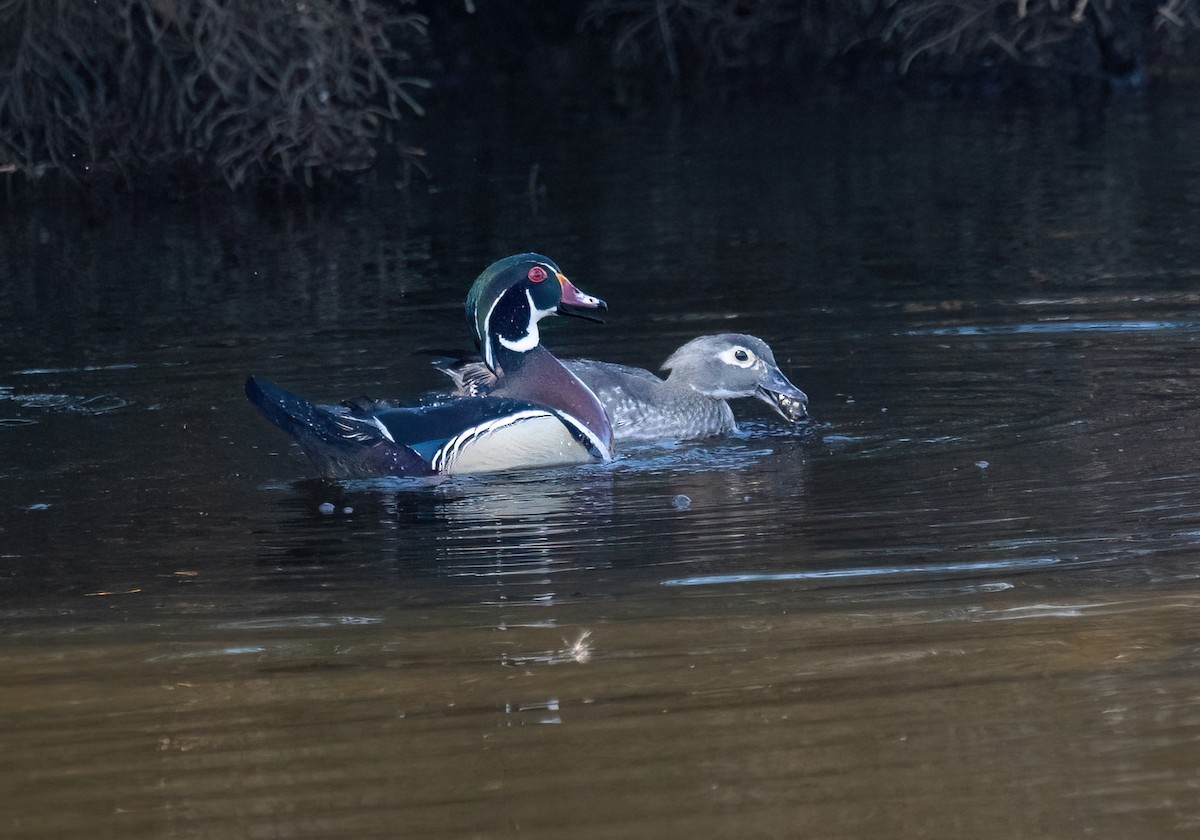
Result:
<point x="511" y="295"/>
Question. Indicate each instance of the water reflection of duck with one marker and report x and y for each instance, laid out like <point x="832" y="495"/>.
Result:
<point x="690" y="403"/>
<point x="538" y="413"/>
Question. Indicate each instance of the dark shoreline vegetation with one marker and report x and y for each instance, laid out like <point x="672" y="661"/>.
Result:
<point x="264" y="92"/>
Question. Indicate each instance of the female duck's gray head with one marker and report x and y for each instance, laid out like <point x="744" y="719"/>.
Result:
<point x="736" y="365"/>
<point x="511" y="295"/>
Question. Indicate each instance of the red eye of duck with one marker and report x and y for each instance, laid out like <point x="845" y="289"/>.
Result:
<point x="537" y="274"/>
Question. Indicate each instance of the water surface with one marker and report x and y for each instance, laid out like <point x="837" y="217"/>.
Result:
<point x="961" y="603"/>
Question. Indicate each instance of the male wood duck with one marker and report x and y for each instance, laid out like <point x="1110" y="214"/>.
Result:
<point x="537" y="414"/>
<point x="690" y="403"/>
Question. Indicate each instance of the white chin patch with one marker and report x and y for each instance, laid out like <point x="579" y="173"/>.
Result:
<point x="532" y="337"/>
<point x="537" y="314"/>
<point x="526" y="342"/>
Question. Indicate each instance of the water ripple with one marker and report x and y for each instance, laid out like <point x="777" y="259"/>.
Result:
<point x="1018" y="564"/>
<point x="1055" y="327"/>
<point x="99" y="404"/>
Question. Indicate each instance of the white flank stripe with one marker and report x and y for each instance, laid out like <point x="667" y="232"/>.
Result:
<point x="605" y="454"/>
<point x="450" y="450"/>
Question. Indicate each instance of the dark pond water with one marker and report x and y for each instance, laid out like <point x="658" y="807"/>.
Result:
<point x="962" y="604"/>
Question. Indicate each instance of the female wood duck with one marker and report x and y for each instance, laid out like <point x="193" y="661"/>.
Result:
<point x="537" y="414"/>
<point x="690" y="403"/>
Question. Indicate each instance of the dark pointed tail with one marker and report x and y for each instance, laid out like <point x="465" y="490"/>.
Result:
<point x="340" y="443"/>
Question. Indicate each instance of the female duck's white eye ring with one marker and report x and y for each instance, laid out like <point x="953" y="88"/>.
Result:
<point x="537" y="274"/>
<point x="739" y="357"/>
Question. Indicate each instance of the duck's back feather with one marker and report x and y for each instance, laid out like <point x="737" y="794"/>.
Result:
<point x="643" y="407"/>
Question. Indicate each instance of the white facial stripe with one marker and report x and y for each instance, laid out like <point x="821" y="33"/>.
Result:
<point x="730" y="357"/>
<point x="535" y="313"/>
<point x="532" y="337"/>
<point x="489" y="358"/>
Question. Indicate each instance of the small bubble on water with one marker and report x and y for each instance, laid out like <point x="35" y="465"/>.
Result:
<point x="681" y="502"/>
<point x="39" y="506"/>
<point x="347" y="510"/>
<point x="326" y="508"/>
<point x="983" y="465"/>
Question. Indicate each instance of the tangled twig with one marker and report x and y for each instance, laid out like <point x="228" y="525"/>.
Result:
<point x="1073" y="37"/>
<point x="249" y="87"/>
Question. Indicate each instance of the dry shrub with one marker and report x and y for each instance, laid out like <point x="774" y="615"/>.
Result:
<point x="249" y="88"/>
<point x="702" y="38"/>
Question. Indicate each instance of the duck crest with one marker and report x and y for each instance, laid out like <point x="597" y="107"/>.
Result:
<point x="501" y="307"/>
